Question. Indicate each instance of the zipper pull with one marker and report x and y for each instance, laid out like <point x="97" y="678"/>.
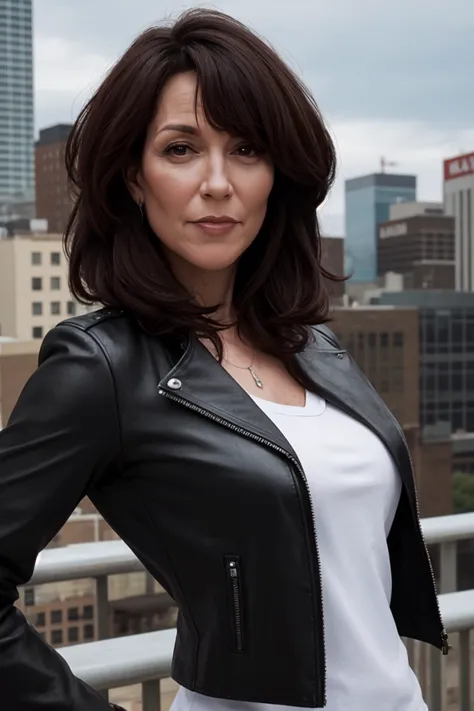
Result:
<point x="445" y="645"/>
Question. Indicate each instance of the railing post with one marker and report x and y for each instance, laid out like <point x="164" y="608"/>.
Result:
<point x="102" y="608"/>
<point x="151" y="695"/>
<point x="464" y="671"/>
<point x="448" y="567"/>
<point x="436" y="685"/>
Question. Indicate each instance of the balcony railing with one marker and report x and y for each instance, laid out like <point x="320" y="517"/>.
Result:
<point x="146" y="658"/>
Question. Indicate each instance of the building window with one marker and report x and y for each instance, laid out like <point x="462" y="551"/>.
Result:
<point x="29" y="597"/>
<point x="56" y="617"/>
<point x="71" y="308"/>
<point x="40" y="619"/>
<point x="37" y="332"/>
<point x="398" y="339"/>
<point x="88" y="612"/>
<point x="55" y="258"/>
<point x="88" y="631"/>
<point x="56" y="636"/>
<point x="37" y="308"/>
<point x="384" y="340"/>
<point x="55" y="283"/>
<point x="36" y="284"/>
<point x="73" y="634"/>
<point x="73" y="613"/>
<point x="36" y="258"/>
<point x="55" y="308"/>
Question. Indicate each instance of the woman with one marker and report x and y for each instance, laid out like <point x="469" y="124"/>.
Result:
<point x="208" y="413"/>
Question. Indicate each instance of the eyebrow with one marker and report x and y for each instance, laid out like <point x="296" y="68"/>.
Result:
<point x="180" y="128"/>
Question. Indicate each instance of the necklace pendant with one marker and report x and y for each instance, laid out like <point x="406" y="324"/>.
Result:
<point x="257" y="380"/>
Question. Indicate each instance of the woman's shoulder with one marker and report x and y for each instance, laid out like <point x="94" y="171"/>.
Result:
<point x="324" y="337"/>
<point x="107" y="334"/>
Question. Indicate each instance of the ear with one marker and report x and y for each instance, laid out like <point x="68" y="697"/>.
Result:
<point x="133" y="180"/>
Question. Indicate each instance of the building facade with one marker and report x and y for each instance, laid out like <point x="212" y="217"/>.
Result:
<point x="53" y="202"/>
<point x="34" y="292"/>
<point x="446" y="357"/>
<point x="459" y="202"/>
<point x="16" y="107"/>
<point x="367" y="202"/>
<point x="420" y="247"/>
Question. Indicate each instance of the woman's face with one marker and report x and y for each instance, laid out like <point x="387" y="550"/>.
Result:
<point x="204" y="192"/>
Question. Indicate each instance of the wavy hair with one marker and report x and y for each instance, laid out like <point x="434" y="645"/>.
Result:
<point x="248" y="91"/>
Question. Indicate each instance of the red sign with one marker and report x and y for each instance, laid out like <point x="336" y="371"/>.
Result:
<point x="457" y="167"/>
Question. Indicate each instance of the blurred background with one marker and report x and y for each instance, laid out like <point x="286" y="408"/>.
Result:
<point x="395" y="84"/>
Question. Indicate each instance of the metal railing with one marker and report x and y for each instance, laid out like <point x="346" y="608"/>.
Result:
<point x="149" y="660"/>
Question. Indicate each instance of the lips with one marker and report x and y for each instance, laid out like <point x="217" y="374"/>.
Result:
<point x="213" y="219"/>
<point x="216" y="225"/>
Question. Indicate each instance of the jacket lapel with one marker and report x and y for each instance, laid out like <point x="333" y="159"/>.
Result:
<point x="206" y="385"/>
<point x="337" y="378"/>
<point x="201" y="382"/>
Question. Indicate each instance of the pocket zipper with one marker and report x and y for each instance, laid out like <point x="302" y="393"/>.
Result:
<point x="235" y="582"/>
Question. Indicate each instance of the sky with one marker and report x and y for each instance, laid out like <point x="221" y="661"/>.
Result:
<point x="392" y="79"/>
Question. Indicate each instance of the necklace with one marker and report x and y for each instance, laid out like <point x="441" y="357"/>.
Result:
<point x="252" y="372"/>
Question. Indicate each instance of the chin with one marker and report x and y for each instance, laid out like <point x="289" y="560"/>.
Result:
<point x="214" y="260"/>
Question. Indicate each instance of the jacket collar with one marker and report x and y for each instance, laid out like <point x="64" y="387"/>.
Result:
<point x="201" y="382"/>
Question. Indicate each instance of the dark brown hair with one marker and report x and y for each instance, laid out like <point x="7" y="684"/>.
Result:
<point x="246" y="90"/>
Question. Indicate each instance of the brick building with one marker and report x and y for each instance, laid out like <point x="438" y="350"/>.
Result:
<point x="52" y="198"/>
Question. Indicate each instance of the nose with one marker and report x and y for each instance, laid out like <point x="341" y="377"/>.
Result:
<point x="216" y="182"/>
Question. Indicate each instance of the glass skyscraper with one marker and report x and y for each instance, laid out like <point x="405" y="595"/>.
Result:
<point x="16" y="105"/>
<point x="368" y="199"/>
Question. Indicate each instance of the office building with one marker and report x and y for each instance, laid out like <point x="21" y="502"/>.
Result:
<point x="367" y="202"/>
<point x="34" y="293"/>
<point x="53" y="202"/>
<point x="16" y="109"/>
<point x="459" y="202"/>
<point x="446" y="359"/>
<point x="384" y="342"/>
<point x="417" y="242"/>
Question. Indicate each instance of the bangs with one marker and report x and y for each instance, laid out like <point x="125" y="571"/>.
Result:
<point x="247" y="91"/>
<point x="233" y="100"/>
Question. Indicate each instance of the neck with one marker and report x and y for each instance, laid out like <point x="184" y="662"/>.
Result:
<point x="209" y="287"/>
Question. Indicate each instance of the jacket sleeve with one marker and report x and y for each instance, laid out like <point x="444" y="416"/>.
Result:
<point x="62" y="434"/>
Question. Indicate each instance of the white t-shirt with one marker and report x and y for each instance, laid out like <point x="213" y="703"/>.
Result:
<point x="355" y="489"/>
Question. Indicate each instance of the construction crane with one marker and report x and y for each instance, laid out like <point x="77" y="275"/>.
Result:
<point x="384" y="163"/>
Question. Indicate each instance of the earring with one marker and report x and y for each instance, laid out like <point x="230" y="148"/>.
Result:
<point x="141" y="205"/>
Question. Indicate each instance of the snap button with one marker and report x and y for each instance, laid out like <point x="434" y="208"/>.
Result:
<point x="174" y="384"/>
<point x="340" y="355"/>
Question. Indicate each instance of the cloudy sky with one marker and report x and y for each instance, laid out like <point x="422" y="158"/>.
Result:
<point x="393" y="78"/>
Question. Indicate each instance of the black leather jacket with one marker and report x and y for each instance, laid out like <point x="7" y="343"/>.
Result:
<point x="209" y="495"/>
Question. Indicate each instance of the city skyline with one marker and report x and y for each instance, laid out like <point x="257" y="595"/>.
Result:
<point x="16" y="105"/>
<point x="391" y="81"/>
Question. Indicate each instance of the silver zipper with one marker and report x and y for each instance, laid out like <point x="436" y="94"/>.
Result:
<point x="235" y="581"/>
<point x="297" y="465"/>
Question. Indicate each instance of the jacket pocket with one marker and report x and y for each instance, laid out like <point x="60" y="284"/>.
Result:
<point x="233" y="567"/>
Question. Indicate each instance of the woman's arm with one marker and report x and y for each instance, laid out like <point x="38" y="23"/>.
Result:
<point x="62" y="434"/>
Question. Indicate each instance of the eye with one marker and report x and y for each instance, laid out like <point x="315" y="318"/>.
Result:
<point x="246" y="150"/>
<point x="178" y="150"/>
